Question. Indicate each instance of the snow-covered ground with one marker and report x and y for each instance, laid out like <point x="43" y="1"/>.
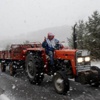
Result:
<point x="73" y="93"/>
<point x="4" y="97"/>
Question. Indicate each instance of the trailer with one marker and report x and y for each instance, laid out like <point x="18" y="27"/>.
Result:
<point x="15" y="57"/>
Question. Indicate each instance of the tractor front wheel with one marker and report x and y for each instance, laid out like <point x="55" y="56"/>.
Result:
<point x="95" y="76"/>
<point x="61" y="82"/>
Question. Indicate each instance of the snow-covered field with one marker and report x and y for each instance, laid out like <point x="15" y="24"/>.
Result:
<point x="75" y="90"/>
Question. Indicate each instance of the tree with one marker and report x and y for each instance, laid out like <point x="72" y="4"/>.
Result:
<point x="93" y="35"/>
<point x="70" y="42"/>
<point x="88" y="35"/>
<point x="80" y="31"/>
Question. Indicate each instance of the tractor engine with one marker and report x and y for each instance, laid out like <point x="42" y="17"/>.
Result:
<point x="63" y="65"/>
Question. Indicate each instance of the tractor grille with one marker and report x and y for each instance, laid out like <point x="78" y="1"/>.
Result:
<point x="82" y="61"/>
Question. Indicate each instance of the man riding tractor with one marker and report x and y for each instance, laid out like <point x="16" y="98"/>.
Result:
<point x="61" y="63"/>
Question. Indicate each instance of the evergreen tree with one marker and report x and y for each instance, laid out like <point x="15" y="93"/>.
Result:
<point x="81" y="31"/>
<point x="93" y="35"/>
<point x="88" y="35"/>
<point x="70" y="42"/>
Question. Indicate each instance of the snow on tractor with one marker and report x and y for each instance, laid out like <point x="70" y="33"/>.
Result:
<point x="68" y="63"/>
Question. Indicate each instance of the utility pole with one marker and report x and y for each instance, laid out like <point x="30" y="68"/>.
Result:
<point x="74" y="37"/>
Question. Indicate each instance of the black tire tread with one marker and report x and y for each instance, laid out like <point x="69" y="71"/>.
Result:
<point x="37" y="79"/>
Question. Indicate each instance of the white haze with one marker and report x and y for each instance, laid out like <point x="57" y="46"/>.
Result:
<point x="21" y="19"/>
<point x="61" y="33"/>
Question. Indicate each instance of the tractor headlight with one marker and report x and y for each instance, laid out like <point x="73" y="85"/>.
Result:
<point x="80" y="60"/>
<point x="87" y="59"/>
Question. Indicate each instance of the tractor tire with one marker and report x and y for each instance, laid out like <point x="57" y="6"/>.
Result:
<point x="34" y="68"/>
<point x="96" y="83"/>
<point x="3" y="67"/>
<point x="95" y="68"/>
<point x="12" y="69"/>
<point x="61" y="82"/>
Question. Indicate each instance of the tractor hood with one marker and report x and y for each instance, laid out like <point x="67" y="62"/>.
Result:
<point x="65" y="53"/>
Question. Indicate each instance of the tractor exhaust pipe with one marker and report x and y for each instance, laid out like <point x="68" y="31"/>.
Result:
<point x="74" y="37"/>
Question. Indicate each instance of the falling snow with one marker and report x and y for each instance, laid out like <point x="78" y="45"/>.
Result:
<point x="13" y="86"/>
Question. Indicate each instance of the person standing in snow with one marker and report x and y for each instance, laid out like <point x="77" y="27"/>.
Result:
<point x="50" y="44"/>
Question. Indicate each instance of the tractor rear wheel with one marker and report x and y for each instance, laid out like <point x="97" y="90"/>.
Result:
<point x="3" y="67"/>
<point x="12" y="70"/>
<point x="34" y="68"/>
<point x="61" y="82"/>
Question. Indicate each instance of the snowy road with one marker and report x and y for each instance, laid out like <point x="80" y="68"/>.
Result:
<point x="18" y="88"/>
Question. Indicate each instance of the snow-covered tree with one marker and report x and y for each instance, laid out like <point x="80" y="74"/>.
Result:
<point x="88" y="35"/>
<point x="93" y="34"/>
<point x="70" y="42"/>
<point x="80" y="31"/>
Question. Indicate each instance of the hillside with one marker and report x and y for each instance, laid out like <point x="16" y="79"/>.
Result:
<point x="60" y="33"/>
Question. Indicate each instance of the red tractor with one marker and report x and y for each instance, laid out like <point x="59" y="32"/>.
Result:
<point x="68" y="63"/>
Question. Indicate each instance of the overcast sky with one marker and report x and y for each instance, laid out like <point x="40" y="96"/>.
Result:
<point x="23" y="16"/>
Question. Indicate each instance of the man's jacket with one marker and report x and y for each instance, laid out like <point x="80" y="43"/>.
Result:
<point x="50" y="45"/>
